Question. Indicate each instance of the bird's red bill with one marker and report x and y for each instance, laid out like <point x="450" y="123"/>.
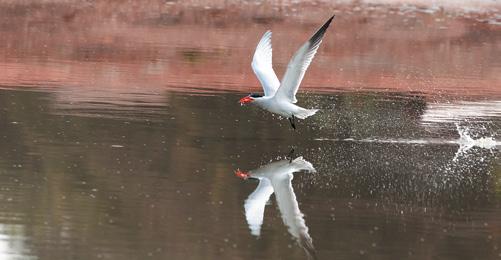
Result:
<point x="241" y="174"/>
<point x="246" y="100"/>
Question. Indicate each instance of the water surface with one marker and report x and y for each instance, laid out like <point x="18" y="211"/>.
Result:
<point x="120" y="134"/>
<point x="116" y="182"/>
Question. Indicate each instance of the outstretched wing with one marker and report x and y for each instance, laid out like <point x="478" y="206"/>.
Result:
<point x="262" y="65"/>
<point x="299" y="64"/>
<point x="255" y="204"/>
<point x="291" y="215"/>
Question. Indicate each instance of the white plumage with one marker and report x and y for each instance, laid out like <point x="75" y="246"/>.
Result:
<point x="276" y="177"/>
<point x="280" y="97"/>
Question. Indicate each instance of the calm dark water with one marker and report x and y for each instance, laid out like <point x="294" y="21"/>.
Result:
<point x="137" y="180"/>
<point x="120" y="132"/>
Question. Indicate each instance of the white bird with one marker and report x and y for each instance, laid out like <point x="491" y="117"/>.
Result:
<point x="276" y="178"/>
<point x="280" y="98"/>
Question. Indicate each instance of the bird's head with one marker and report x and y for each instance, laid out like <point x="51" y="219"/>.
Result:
<point x="250" y="98"/>
<point x="241" y="174"/>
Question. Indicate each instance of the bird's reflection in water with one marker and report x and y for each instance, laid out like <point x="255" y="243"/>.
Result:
<point x="276" y="178"/>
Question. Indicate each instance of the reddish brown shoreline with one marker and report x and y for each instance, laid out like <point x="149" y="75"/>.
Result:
<point x="155" y="47"/>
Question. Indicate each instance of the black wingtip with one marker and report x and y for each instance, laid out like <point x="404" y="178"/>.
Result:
<point x="307" y="244"/>
<point x="320" y="33"/>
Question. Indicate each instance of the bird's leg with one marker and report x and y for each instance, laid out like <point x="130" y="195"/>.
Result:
<point x="292" y="121"/>
<point x="291" y="154"/>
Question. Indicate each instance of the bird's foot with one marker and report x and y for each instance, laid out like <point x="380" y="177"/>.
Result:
<point x="292" y="121"/>
<point x="291" y="154"/>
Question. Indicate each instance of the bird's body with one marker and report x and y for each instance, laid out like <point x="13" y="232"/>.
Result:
<point x="280" y="97"/>
<point x="283" y="107"/>
<point x="276" y="177"/>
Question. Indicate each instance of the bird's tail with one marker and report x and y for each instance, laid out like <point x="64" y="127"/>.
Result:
<point x="304" y="113"/>
<point x="303" y="165"/>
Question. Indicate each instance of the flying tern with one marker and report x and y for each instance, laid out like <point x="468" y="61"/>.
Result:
<point x="276" y="178"/>
<point x="280" y="97"/>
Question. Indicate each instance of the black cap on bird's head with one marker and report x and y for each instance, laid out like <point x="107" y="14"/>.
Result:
<point x="255" y="95"/>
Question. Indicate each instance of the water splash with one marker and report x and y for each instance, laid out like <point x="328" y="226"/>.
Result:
<point x="465" y="141"/>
